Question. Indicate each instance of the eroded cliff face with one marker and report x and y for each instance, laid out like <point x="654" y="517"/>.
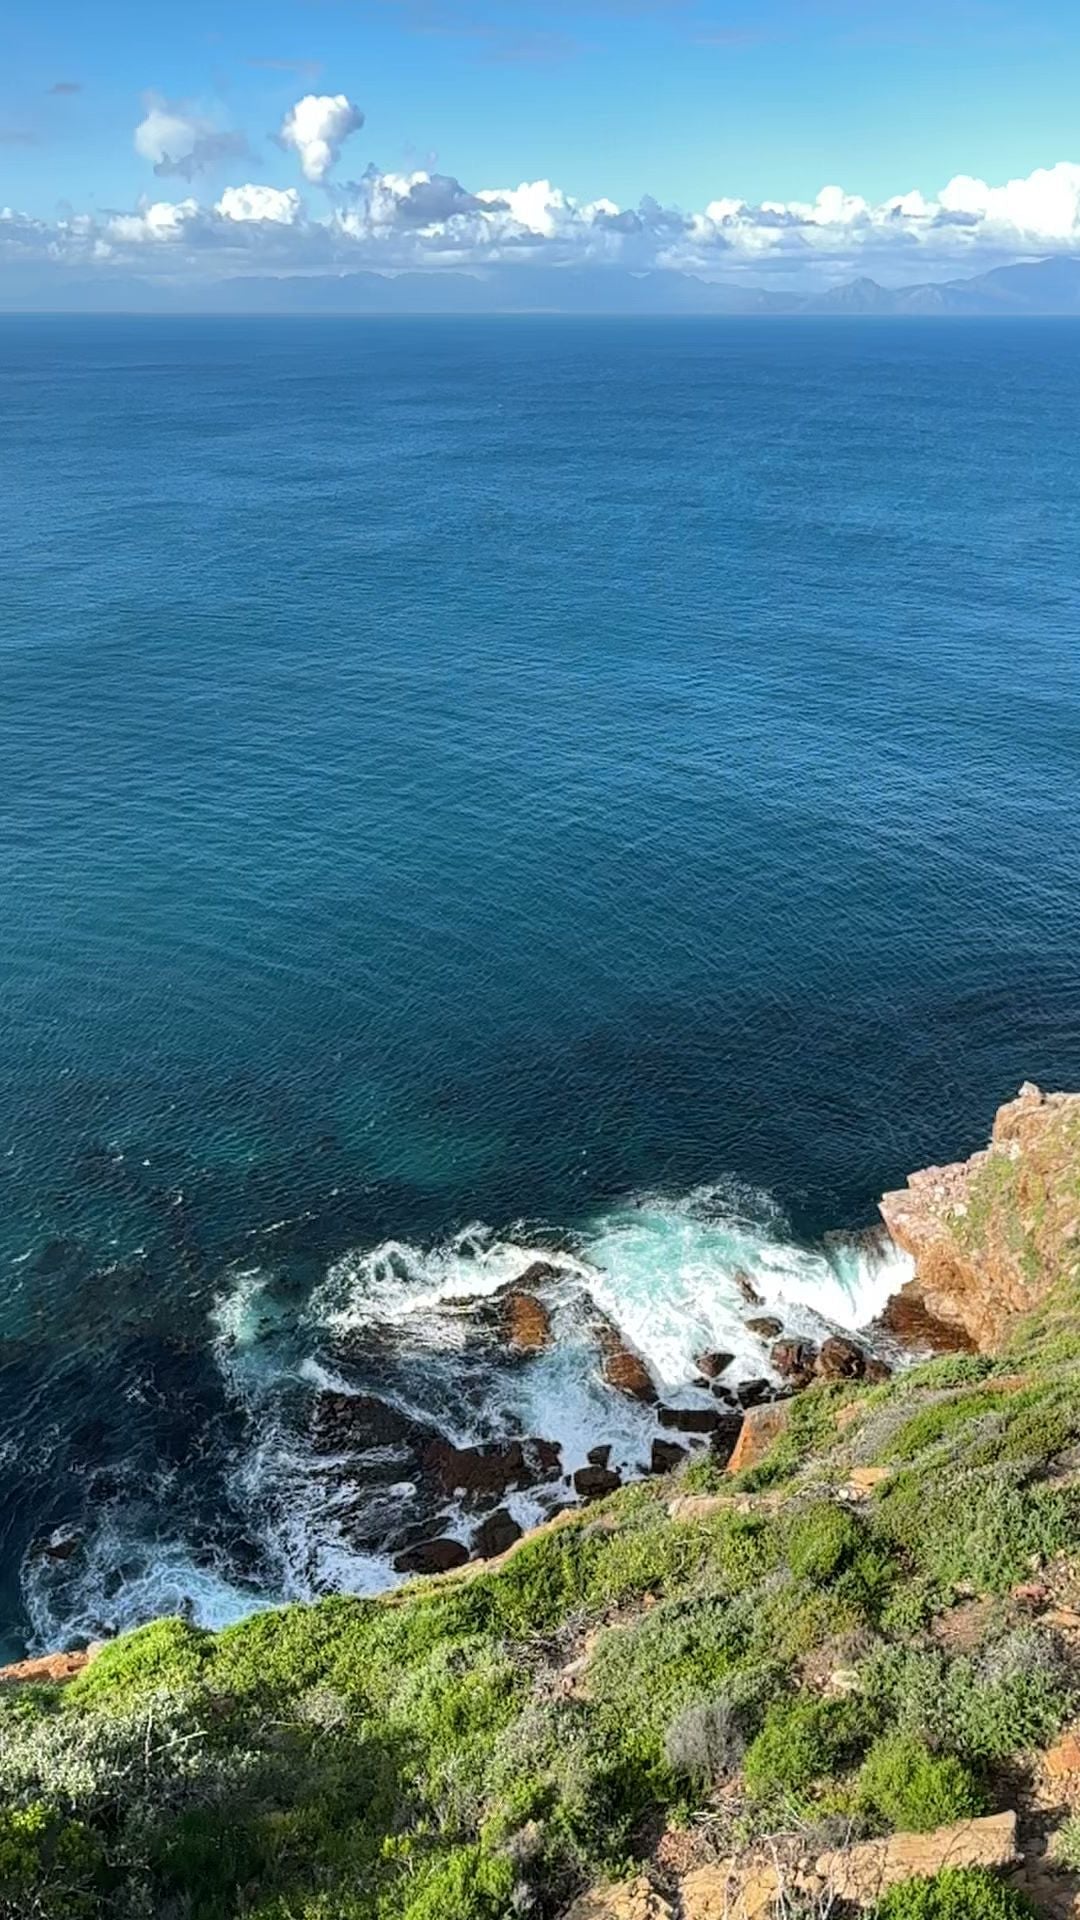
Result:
<point x="991" y="1235"/>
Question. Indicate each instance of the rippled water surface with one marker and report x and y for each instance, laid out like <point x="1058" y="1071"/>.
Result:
<point x="489" y="771"/>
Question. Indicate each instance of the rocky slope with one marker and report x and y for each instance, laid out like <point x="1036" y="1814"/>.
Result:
<point x="804" y="1678"/>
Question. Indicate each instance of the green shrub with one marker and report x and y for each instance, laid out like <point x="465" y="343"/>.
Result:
<point x="912" y="1789"/>
<point x="802" y="1741"/>
<point x="705" y="1741"/>
<point x="958" y="1893"/>
<point x="167" y="1656"/>
<point x="823" y="1540"/>
<point x="1066" y="1844"/>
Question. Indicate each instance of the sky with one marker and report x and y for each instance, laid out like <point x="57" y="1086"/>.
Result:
<point x="787" y="143"/>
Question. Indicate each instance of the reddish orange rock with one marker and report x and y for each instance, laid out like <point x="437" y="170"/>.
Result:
<point x="51" y="1666"/>
<point x="760" y="1428"/>
<point x="1064" y="1758"/>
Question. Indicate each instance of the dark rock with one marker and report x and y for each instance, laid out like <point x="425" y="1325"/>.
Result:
<point x="752" y="1393"/>
<point x="598" y="1456"/>
<point x="432" y="1556"/>
<point x="495" y="1534"/>
<point x="690" y="1419"/>
<point x="593" y="1482"/>
<point x="481" y="1472"/>
<point x="544" y="1456"/>
<point x="723" y="1441"/>
<point x="712" y="1365"/>
<point x="666" y="1455"/>
<point x="359" y="1422"/>
<point x="766" y="1326"/>
<point x="434" y="1526"/>
<point x="840" y="1359"/>
<point x="794" y="1361"/>
<point x="627" y="1373"/>
<point x="875" y="1371"/>
<point x="61" y="1549"/>
<point x="746" y="1287"/>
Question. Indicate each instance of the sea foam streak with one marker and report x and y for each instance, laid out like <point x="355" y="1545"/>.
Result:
<point x="395" y="1322"/>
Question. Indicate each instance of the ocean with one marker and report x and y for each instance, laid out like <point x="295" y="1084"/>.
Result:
<point x="472" y="788"/>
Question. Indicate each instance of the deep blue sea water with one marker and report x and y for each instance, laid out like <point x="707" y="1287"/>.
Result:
<point x="489" y="771"/>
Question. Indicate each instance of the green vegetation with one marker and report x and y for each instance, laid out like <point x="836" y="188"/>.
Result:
<point x="959" y="1893"/>
<point x="477" y="1747"/>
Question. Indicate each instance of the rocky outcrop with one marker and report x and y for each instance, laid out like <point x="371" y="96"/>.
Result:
<point x="632" y="1900"/>
<point x="480" y="1472"/>
<point x="51" y="1666"/>
<point x="432" y="1556"/>
<point x="760" y="1428"/>
<point x="990" y="1235"/>
<point x="526" y="1322"/>
<point x="860" y="1875"/>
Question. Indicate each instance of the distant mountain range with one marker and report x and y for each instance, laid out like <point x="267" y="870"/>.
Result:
<point x="1037" y="287"/>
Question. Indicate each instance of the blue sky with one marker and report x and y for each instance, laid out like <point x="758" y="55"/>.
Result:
<point x="691" y="103"/>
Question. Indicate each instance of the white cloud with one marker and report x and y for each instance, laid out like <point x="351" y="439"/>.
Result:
<point x="176" y="140"/>
<point x="422" y="219"/>
<point x="316" y="128"/>
<point x="281" y="206"/>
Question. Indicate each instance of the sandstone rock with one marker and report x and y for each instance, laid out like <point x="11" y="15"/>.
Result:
<point x="712" y="1365"/>
<point x="860" y="1874"/>
<point x="760" y="1428"/>
<point x="840" y="1359"/>
<point x="730" y="1890"/>
<point x="432" y="1556"/>
<point x="51" y="1666"/>
<point x="794" y="1361"/>
<point x="593" y="1482"/>
<point x="666" y="1455"/>
<point x="1064" y="1757"/>
<point x="989" y="1235"/>
<point x="495" y="1534"/>
<point x="863" y="1480"/>
<point x="766" y="1326"/>
<point x="690" y="1419"/>
<point x="631" y="1900"/>
<point x="526" y="1322"/>
<point x="627" y="1373"/>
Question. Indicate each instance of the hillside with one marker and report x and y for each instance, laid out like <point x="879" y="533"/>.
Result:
<point x="701" y="1696"/>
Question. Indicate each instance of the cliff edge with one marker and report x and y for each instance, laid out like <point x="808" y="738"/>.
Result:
<point x="991" y="1235"/>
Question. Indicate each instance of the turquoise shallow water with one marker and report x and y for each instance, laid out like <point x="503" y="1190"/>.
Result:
<point x="485" y="770"/>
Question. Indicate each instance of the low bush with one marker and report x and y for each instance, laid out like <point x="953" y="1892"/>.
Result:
<point x="957" y="1893"/>
<point x="912" y="1789"/>
<point x="705" y="1742"/>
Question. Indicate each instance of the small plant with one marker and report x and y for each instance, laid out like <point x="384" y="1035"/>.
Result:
<point x="705" y="1742"/>
<point x="958" y="1893"/>
<point x="914" y="1790"/>
<point x="1066" y="1846"/>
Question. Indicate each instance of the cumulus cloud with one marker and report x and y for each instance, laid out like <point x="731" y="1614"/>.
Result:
<point x="183" y="143"/>
<point x="392" y="221"/>
<point x="316" y="129"/>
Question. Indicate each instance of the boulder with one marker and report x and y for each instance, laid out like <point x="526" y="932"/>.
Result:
<point x="745" y="1287"/>
<point x="599" y="1456"/>
<point x="730" y="1890"/>
<point x="839" y="1358"/>
<point x="627" y="1373"/>
<point x="666" y="1456"/>
<point x="593" y="1482"/>
<point x="495" y="1534"/>
<point x="491" y="1470"/>
<point x="754" y="1393"/>
<point x="861" y="1874"/>
<point x="725" y="1438"/>
<point x="712" y="1365"/>
<point x="794" y="1361"/>
<point x="432" y="1556"/>
<point x="766" y="1326"/>
<point x="360" y="1422"/>
<point x="526" y="1322"/>
<point x="760" y="1428"/>
<point x="629" y="1900"/>
<point x="690" y="1419"/>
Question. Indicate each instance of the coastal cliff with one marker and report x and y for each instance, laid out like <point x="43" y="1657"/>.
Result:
<point x="990" y="1235"/>
<point x="837" y="1671"/>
